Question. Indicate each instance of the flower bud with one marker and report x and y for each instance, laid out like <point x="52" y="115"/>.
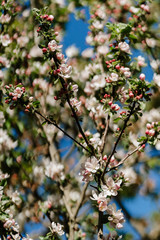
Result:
<point x="50" y="18"/>
<point x="142" y="76"/>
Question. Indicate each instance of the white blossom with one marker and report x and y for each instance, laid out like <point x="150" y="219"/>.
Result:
<point x="5" y="18"/>
<point x="72" y="51"/>
<point x="87" y="53"/>
<point x="156" y="79"/>
<point x="155" y="64"/>
<point x="113" y="77"/>
<point x="54" y="170"/>
<point x="53" y="46"/>
<point x="141" y="61"/>
<point x="6" y="142"/>
<point x="101" y="200"/>
<point x="65" y="70"/>
<point x="123" y="46"/>
<point x="98" y="82"/>
<point x="75" y="103"/>
<point x="111" y="187"/>
<point x="5" y="40"/>
<point x="57" y="228"/>
<point x="151" y="42"/>
<point x="22" y="41"/>
<point x="92" y="164"/>
<point x="116" y="218"/>
<point x="97" y="24"/>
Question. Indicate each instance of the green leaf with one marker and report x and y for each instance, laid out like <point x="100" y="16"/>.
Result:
<point x="116" y="120"/>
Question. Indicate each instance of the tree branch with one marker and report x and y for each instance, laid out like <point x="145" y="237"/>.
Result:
<point x="53" y="123"/>
<point x="119" y="137"/>
<point x="72" y="109"/>
<point x="125" y="158"/>
<point x="79" y="204"/>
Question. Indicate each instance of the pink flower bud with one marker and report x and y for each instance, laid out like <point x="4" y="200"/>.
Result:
<point x="14" y="98"/>
<point x="23" y="88"/>
<point x="152" y="132"/>
<point x="80" y="135"/>
<point x="44" y="50"/>
<point x="110" y="103"/>
<point x="142" y="76"/>
<point x="50" y="18"/>
<point x="148" y="125"/>
<point x="131" y="95"/>
<point x="137" y="97"/>
<point x="45" y="16"/>
<point x="105" y="158"/>
<point x="117" y="67"/>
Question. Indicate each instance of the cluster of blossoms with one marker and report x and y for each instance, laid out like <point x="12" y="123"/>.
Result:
<point x="6" y="143"/>
<point x="14" y="93"/>
<point x="107" y="81"/>
<point x="110" y="189"/>
<point x="152" y="128"/>
<point x="5" y="18"/>
<point x="57" y="228"/>
<point x="63" y="69"/>
<point x="54" y="171"/>
<point x="17" y="95"/>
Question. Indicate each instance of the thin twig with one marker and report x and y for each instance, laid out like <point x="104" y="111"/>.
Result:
<point x="67" y="207"/>
<point x="118" y="139"/>
<point x="68" y="153"/>
<point x="105" y="135"/>
<point x="72" y="108"/>
<point x="53" y="123"/>
<point x="80" y="200"/>
<point x="125" y="158"/>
